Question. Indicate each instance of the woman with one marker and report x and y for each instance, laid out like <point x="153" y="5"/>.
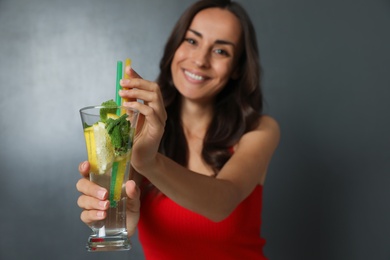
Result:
<point x="204" y="147"/>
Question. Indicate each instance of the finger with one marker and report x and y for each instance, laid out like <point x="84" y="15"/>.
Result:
<point x="91" y="216"/>
<point x="89" y="188"/>
<point x="140" y="123"/>
<point x="132" y="191"/>
<point x="132" y="73"/>
<point x="84" y="169"/>
<point x="133" y="206"/>
<point x="147" y="91"/>
<point x="133" y="194"/>
<point x="143" y="94"/>
<point x="154" y="116"/>
<point x="87" y="202"/>
<point x="139" y="83"/>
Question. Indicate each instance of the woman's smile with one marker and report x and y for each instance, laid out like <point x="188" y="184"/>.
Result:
<point x="194" y="77"/>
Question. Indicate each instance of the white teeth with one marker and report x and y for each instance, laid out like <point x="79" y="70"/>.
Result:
<point x="194" y="76"/>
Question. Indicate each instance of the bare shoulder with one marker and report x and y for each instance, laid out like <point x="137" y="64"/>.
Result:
<point x="264" y="138"/>
<point x="252" y="155"/>
<point x="268" y="122"/>
<point x="267" y="128"/>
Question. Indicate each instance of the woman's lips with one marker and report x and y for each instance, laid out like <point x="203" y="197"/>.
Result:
<point x="194" y="76"/>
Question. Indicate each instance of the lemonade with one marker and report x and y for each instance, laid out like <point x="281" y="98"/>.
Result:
<point x="109" y="132"/>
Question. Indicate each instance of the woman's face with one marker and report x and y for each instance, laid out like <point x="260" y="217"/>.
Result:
<point x="206" y="59"/>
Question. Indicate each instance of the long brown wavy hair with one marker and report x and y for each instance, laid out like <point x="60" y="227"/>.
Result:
<point x="237" y="107"/>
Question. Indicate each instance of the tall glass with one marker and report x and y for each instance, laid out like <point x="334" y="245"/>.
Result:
<point x="109" y="133"/>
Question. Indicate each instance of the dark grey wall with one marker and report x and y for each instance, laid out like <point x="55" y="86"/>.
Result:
<point x="326" y="66"/>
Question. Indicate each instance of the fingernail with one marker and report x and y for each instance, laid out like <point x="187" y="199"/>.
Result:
<point x="103" y="204"/>
<point x="83" y="165"/>
<point x="100" y="214"/>
<point x="101" y="194"/>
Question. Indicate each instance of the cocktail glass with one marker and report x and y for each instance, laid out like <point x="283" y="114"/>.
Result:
<point x="109" y="133"/>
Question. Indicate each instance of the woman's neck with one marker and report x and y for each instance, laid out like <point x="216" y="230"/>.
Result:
<point x="196" y="118"/>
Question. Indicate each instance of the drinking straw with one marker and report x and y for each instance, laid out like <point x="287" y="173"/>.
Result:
<point x="126" y="76"/>
<point x="118" y="86"/>
<point x="114" y="172"/>
<point x="127" y="63"/>
<point x="115" y="164"/>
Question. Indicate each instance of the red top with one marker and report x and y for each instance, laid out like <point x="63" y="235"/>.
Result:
<point x="168" y="231"/>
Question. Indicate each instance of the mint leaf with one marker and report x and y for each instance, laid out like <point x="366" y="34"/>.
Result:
<point x="119" y="130"/>
<point x="110" y="107"/>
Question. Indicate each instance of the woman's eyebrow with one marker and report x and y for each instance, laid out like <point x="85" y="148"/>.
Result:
<point x="217" y="41"/>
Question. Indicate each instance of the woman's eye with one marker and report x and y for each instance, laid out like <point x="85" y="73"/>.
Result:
<point x="190" y="41"/>
<point x="221" y="52"/>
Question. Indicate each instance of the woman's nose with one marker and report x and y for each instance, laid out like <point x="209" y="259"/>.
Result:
<point x="201" y="58"/>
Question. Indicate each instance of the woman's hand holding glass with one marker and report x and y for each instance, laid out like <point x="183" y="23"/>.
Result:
<point x="150" y="128"/>
<point x="94" y="200"/>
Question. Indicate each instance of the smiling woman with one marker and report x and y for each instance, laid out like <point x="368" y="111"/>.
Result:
<point x="202" y="154"/>
<point x="205" y="61"/>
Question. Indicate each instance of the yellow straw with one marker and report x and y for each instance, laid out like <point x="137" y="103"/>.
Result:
<point x="126" y="76"/>
<point x="127" y="63"/>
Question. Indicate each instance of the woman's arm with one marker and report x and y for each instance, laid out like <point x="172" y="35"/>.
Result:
<point x="216" y="198"/>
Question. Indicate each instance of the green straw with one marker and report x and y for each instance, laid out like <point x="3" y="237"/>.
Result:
<point x="118" y="86"/>
<point x="118" y="101"/>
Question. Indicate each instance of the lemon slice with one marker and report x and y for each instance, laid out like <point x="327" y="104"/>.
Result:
<point x="120" y="177"/>
<point x="112" y="116"/>
<point x="104" y="149"/>
<point x="91" y="149"/>
<point x="100" y="150"/>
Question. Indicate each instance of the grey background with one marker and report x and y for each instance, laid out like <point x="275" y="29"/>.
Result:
<point x="326" y="80"/>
